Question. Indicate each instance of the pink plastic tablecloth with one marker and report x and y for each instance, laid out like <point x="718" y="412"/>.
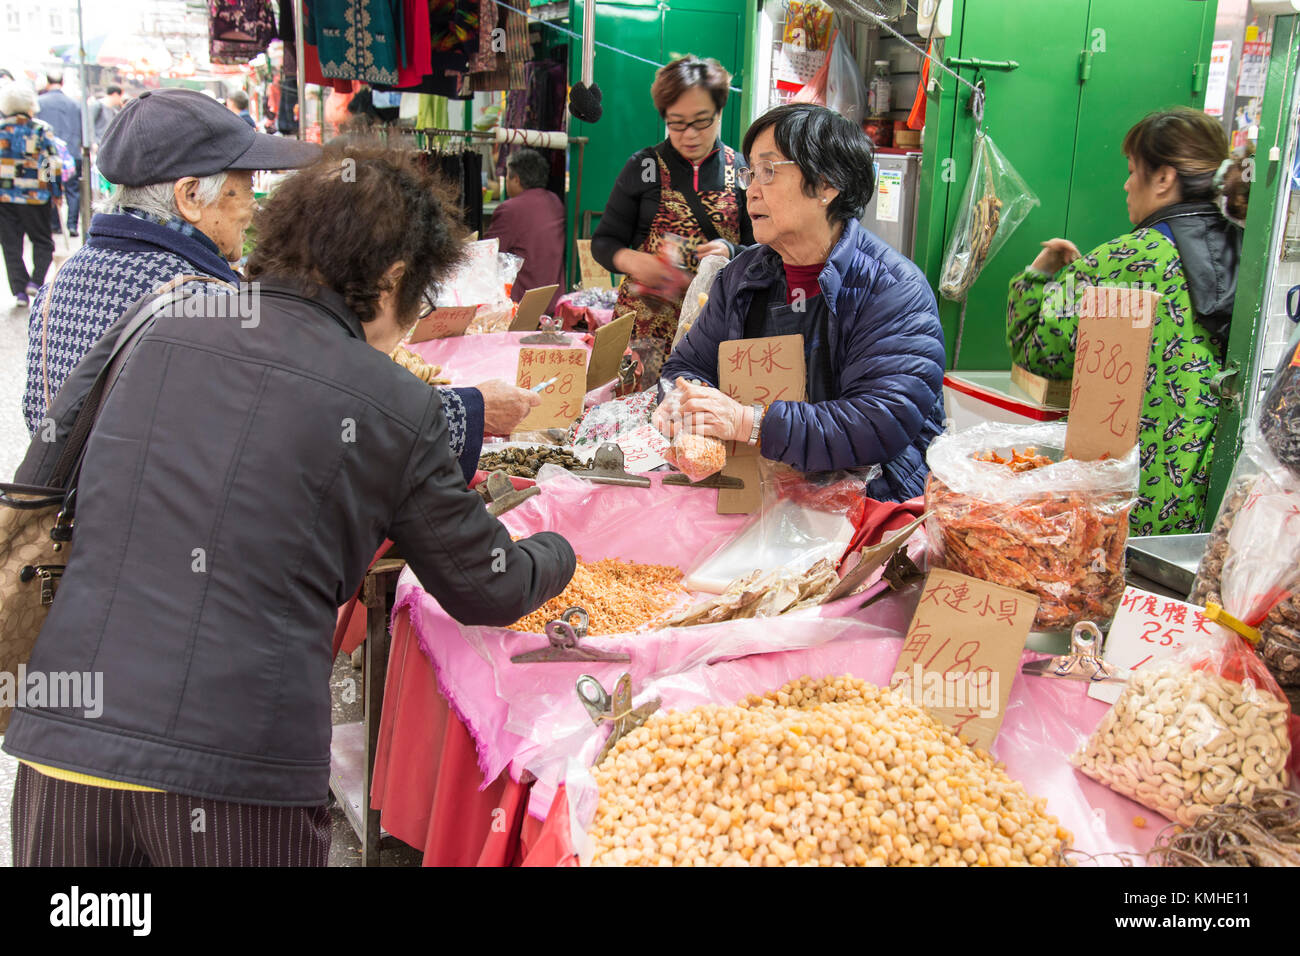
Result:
<point x="527" y="718"/>
<point x="469" y="359"/>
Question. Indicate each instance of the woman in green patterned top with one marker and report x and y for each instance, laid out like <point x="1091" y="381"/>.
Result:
<point x="1182" y="247"/>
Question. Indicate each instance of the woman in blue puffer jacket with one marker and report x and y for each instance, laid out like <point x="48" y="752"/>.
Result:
<point x="872" y="340"/>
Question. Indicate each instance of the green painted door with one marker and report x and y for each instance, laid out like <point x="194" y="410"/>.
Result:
<point x="1030" y="113"/>
<point x="1060" y="131"/>
<point x="656" y="32"/>
<point x="1149" y="57"/>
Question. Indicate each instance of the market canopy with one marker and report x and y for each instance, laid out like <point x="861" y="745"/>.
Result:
<point x="139" y="54"/>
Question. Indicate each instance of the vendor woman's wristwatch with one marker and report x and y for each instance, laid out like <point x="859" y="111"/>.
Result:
<point x="758" y="423"/>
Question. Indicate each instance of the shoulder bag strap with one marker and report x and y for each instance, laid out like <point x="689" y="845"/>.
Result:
<point x="69" y="463"/>
<point x="45" y="335"/>
<point x="698" y="211"/>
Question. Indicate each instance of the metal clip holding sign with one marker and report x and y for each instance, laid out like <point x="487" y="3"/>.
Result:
<point x="617" y="710"/>
<point x="607" y="468"/>
<point x="1084" y="661"/>
<point x="503" y="495"/>
<point x="562" y="643"/>
<point x="716" y="480"/>
<point x="550" y="334"/>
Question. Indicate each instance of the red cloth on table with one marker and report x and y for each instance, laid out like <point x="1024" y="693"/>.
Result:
<point x="426" y="782"/>
<point x="350" y="630"/>
<point x="872" y="520"/>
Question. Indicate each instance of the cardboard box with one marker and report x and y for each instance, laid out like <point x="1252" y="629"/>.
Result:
<point x="1044" y="391"/>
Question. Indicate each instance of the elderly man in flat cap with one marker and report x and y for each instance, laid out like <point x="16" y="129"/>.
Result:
<point x="183" y="166"/>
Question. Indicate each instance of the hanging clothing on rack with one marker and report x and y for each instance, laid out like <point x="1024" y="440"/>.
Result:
<point x="358" y="39"/>
<point x="238" y="30"/>
<point x="463" y="172"/>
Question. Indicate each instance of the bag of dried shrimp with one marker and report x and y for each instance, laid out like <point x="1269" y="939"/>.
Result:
<point x="1005" y="507"/>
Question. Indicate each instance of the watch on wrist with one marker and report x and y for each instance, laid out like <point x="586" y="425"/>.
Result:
<point x="758" y="423"/>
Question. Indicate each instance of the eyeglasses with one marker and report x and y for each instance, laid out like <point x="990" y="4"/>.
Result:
<point x="763" y="172"/>
<point x="427" y="304"/>
<point x="699" y="124"/>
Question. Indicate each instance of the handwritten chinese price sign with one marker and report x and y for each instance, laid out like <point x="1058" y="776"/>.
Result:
<point x="444" y="323"/>
<point x="962" y="652"/>
<point x="1110" y="370"/>
<point x="1148" y="629"/>
<point x="643" y="449"/>
<point x="763" y="370"/>
<point x="562" y="399"/>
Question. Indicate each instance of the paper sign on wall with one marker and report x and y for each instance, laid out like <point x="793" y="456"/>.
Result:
<point x="594" y="275"/>
<point x="763" y="370"/>
<point x="1216" y="83"/>
<point x="962" y="652"/>
<point x="1148" y="629"/>
<point x="562" y="399"/>
<point x="1110" y="365"/>
<point x="444" y="323"/>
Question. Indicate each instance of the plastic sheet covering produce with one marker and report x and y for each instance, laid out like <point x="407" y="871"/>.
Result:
<point x="528" y="716"/>
<point x="803" y="520"/>
<point x="1251" y="565"/>
<point x="1057" y="531"/>
<point x="1046" y="721"/>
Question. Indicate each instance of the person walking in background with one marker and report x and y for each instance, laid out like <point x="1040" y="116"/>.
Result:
<point x="530" y="224"/>
<point x="237" y="103"/>
<point x="30" y="185"/>
<point x="64" y="116"/>
<point x="103" y="111"/>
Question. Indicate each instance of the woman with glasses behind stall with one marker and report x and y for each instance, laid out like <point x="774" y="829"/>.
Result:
<point x="684" y="187"/>
<point x="872" y="342"/>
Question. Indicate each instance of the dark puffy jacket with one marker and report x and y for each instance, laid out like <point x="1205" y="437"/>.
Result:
<point x="235" y="488"/>
<point x="887" y="359"/>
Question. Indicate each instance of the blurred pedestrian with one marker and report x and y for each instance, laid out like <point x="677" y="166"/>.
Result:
<point x="64" y="116"/>
<point x="30" y="185"/>
<point x="103" y="111"/>
<point x="237" y="103"/>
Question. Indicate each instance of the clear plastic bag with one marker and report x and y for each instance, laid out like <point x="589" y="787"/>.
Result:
<point x="695" y="456"/>
<point x="846" y="94"/>
<point x="1210" y="726"/>
<point x="1058" y="531"/>
<point x="1279" y="416"/>
<point x="697" y="293"/>
<point x="1251" y="565"/>
<point x="804" y="519"/>
<point x="995" y="203"/>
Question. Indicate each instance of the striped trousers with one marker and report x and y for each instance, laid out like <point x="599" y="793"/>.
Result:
<point x="59" y="823"/>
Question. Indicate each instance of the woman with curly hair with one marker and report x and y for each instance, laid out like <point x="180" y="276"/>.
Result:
<point x="249" y="461"/>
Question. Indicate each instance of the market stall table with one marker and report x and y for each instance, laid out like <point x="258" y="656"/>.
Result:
<point x="452" y="774"/>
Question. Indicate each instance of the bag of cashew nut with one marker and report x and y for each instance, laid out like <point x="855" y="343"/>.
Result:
<point x="1251" y="566"/>
<point x="1209" y="726"/>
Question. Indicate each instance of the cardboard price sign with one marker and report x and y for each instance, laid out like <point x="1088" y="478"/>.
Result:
<point x="962" y="652"/>
<point x="562" y="399"/>
<point x="1148" y="629"/>
<point x="444" y="323"/>
<point x="607" y="352"/>
<point x="763" y="370"/>
<point x="1110" y="370"/>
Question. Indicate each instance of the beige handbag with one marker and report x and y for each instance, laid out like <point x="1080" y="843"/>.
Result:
<point x="36" y="521"/>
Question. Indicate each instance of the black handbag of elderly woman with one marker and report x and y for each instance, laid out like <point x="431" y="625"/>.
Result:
<point x="36" y="524"/>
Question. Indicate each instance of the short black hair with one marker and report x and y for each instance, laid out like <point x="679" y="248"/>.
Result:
<point x="112" y="89"/>
<point x="239" y="98"/>
<point x="828" y="149"/>
<point x="531" y="167"/>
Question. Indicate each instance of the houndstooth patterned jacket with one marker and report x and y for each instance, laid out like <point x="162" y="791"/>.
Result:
<point x="126" y="257"/>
